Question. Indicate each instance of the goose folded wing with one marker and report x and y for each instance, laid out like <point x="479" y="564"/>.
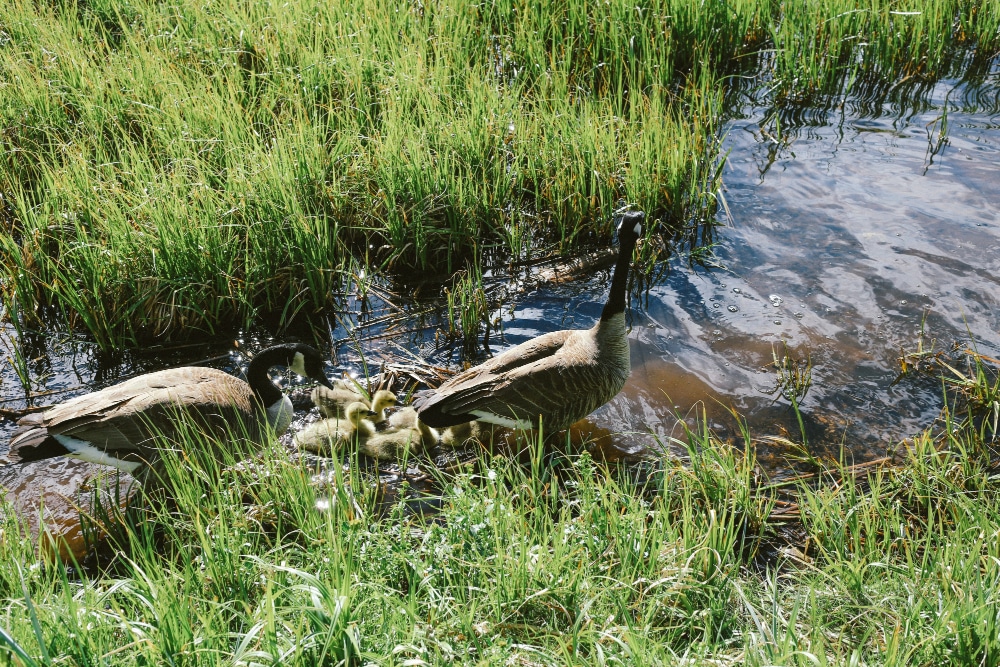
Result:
<point x="124" y="415"/>
<point x="547" y="387"/>
<point x="523" y="355"/>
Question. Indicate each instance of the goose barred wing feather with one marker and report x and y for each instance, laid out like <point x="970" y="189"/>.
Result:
<point x="519" y="387"/>
<point x="438" y="407"/>
<point x="528" y="352"/>
<point x="118" y="418"/>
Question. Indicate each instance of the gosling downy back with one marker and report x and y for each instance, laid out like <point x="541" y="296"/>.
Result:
<point x="332" y="402"/>
<point x="329" y="435"/>
<point x="465" y="433"/>
<point x="408" y="418"/>
<point x="396" y="442"/>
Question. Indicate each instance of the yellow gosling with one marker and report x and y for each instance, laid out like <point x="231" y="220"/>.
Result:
<point x="330" y="435"/>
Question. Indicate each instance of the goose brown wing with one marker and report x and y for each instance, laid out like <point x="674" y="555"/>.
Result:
<point x="529" y="352"/>
<point x="119" y="417"/>
<point x="563" y="386"/>
<point x="552" y="390"/>
<point x="437" y="406"/>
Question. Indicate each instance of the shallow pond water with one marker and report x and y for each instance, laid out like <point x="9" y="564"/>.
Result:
<point x="845" y="239"/>
<point x="846" y="242"/>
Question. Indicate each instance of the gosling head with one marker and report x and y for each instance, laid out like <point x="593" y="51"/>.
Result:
<point x="381" y="400"/>
<point x="356" y="412"/>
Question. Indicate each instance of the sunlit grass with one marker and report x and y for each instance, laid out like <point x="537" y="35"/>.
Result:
<point x="549" y="556"/>
<point x="177" y="169"/>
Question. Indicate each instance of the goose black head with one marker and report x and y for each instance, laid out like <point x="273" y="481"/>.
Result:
<point x="307" y="362"/>
<point x="629" y="227"/>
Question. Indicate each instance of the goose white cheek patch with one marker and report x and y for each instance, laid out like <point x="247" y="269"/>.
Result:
<point x="298" y="364"/>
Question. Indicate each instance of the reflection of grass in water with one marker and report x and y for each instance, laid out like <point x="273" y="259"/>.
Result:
<point x="165" y="174"/>
<point x="558" y="558"/>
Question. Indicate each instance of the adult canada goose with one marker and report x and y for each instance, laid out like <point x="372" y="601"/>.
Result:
<point x="329" y="435"/>
<point x="118" y="425"/>
<point x="556" y="378"/>
<point x="333" y="402"/>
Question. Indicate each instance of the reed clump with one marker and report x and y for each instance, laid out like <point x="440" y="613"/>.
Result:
<point x="169" y="171"/>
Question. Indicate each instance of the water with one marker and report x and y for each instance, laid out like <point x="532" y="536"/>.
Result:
<point x="848" y="238"/>
<point x="845" y="243"/>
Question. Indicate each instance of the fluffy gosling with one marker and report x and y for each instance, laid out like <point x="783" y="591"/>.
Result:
<point x="332" y="403"/>
<point x="460" y="434"/>
<point x="330" y="435"/>
<point x="396" y="442"/>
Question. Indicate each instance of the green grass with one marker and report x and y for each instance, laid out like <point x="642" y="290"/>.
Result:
<point x="175" y="169"/>
<point x="170" y="167"/>
<point x="845" y="47"/>
<point x="543" y="558"/>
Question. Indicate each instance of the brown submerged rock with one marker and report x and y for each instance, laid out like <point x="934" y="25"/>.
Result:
<point x="49" y="496"/>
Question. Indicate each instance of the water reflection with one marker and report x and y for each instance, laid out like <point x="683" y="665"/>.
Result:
<point x="846" y="242"/>
<point x="49" y="497"/>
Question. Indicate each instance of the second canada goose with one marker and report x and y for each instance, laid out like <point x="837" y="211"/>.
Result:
<point x="118" y="425"/>
<point x="329" y="435"/>
<point x="556" y="378"/>
<point x="333" y="402"/>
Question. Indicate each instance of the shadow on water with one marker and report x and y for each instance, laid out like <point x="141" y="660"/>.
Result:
<point x="852" y="232"/>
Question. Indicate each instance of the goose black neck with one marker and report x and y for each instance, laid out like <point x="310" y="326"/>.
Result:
<point x="619" y="281"/>
<point x="260" y="382"/>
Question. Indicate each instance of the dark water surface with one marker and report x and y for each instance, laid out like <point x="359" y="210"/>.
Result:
<point x="846" y="237"/>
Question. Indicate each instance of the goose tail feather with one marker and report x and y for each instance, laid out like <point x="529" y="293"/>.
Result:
<point x="35" y="444"/>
